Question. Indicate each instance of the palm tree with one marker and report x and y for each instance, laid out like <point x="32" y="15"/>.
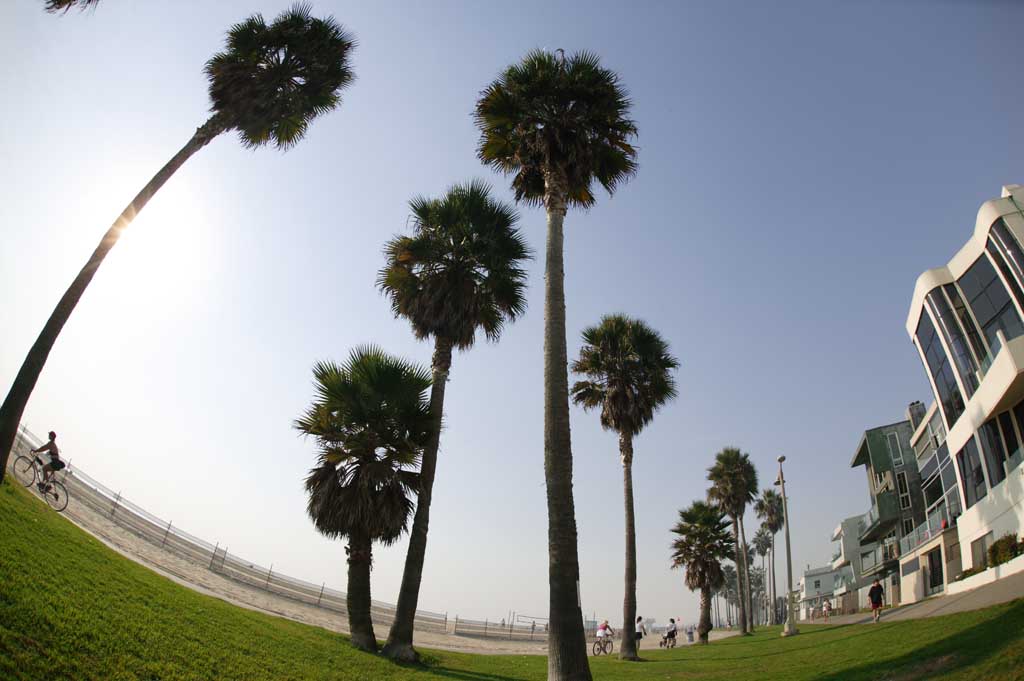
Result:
<point x="629" y="372"/>
<point x="558" y="124"/>
<point x="768" y="508"/>
<point x="703" y="543"/>
<point x="461" y="270"/>
<point x="730" y="588"/>
<point x="371" y="421"/>
<point x="762" y="543"/>
<point x="269" y="85"/>
<point x="54" y="6"/>
<point x="733" y="486"/>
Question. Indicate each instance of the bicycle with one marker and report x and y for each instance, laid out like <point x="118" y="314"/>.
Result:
<point x="667" y="642"/>
<point x="603" y="645"/>
<point x="27" y="471"/>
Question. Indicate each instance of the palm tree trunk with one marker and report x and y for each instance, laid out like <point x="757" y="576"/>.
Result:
<point x="357" y="600"/>
<point x="14" y="404"/>
<point x="567" y="643"/>
<point x="399" y="644"/>
<point x="704" y="626"/>
<point x="628" y="650"/>
<point x="740" y="603"/>
<point x="775" y="607"/>
<point x="745" y="590"/>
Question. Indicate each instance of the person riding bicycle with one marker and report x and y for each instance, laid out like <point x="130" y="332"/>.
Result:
<point x="54" y="464"/>
<point x="670" y="631"/>
<point x="604" y="629"/>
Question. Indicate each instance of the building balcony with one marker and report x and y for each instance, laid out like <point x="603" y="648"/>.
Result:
<point x="883" y="560"/>
<point x="882" y="517"/>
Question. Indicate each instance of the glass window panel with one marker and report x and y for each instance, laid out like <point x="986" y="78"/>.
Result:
<point x="948" y="476"/>
<point x="955" y="339"/>
<point x="989" y="300"/>
<point x="992" y="448"/>
<point x="970" y="471"/>
<point x="966" y="320"/>
<point x="1013" y="452"/>
<point x="933" y="492"/>
<point x="949" y="396"/>
<point x="1003" y="262"/>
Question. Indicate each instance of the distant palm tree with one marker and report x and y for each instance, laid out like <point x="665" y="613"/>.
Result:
<point x="558" y="125"/>
<point x="461" y="271"/>
<point x="730" y="588"/>
<point x="629" y="371"/>
<point x="704" y="542"/>
<point x="55" y="6"/>
<point x="768" y="508"/>
<point x="371" y="421"/>
<point x="733" y="486"/>
<point x="269" y="85"/>
<point x="762" y="543"/>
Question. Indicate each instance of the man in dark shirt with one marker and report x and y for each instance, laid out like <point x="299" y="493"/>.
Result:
<point x="875" y="595"/>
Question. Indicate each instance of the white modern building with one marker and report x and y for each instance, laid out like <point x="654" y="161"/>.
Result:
<point x="966" y="322"/>
<point x="816" y="587"/>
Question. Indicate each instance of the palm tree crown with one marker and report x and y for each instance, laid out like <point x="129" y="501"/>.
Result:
<point x="273" y="80"/>
<point x="55" y="6"/>
<point x="629" y="369"/>
<point x="371" y="421"/>
<point x="768" y="508"/>
<point x="733" y="481"/>
<point x="704" y="541"/>
<point x="552" y="114"/>
<point x="461" y="270"/>
<point x="762" y="541"/>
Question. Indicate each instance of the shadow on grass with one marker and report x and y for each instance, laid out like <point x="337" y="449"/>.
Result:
<point x="432" y="665"/>
<point x="946" y="655"/>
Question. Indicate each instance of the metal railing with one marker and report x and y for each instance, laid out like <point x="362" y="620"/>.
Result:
<point x="89" y="492"/>
<point x="926" y="531"/>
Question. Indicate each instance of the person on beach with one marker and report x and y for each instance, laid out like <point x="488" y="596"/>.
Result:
<point x="670" y="631"/>
<point x="604" y="629"/>
<point x="51" y="466"/>
<point x="641" y="630"/>
<point x="826" y="610"/>
<point x="876" y="594"/>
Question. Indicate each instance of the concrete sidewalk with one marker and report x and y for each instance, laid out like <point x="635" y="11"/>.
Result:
<point x="1001" y="591"/>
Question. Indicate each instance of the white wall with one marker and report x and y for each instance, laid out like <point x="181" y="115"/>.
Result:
<point x="1000" y="512"/>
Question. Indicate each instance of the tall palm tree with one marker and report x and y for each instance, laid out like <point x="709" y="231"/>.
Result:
<point x="629" y="376"/>
<point x="733" y="486"/>
<point x="557" y="125"/>
<point x="703" y="543"/>
<point x="461" y="271"/>
<point x="371" y="421"/>
<point x="269" y="84"/>
<point x="768" y="508"/>
<point x="762" y="543"/>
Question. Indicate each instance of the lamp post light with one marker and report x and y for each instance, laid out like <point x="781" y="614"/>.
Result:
<point x="790" y="627"/>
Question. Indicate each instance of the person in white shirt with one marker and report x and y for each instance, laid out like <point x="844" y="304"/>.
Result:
<point x="670" y="631"/>
<point x="641" y="630"/>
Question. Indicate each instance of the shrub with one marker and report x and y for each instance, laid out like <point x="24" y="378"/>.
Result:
<point x="1004" y="549"/>
<point x="970" y="573"/>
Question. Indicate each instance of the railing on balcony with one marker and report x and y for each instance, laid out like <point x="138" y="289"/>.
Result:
<point x="926" y="531"/>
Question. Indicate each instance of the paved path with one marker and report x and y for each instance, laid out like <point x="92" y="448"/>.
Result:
<point x="1001" y="591"/>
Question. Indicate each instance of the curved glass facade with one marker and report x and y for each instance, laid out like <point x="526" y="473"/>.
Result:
<point x="949" y="396"/>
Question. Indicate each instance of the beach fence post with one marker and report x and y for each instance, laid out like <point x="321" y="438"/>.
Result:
<point x="485" y="628"/>
<point x="164" y="540"/>
<point x="214" y="556"/>
<point x="269" y="572"/>
<point x="446" y="623"/>
<point x="117" y="500"/>
<point x="455" y="629"/>
<point x="320" y="597"/>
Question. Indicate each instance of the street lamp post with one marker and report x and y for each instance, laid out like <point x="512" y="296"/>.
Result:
<point x="790" y="627"/>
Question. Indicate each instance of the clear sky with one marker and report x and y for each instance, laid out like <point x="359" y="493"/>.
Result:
<point x="800" y="164"/>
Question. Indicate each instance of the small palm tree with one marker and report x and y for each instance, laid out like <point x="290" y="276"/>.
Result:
<point x="629" y="371"/>
<point x="762" y="543"/>
<point x="557" y="125"/>
<point x="703" y="543"/>
<point x="733" y="486"/>
<point x="460" y="272"/>
<point x="269" y="84"/>
<point x="371" y="421"/>
<point x="768" y="508"/>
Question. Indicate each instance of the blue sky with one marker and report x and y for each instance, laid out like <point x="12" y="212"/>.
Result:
<point x="800" y="164"/>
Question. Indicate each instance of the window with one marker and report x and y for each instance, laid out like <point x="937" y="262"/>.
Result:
<point x="955" y="339"/>
<point x="970" y="471"/>
<point x="979" y="551"/>
<point x="817" y="584"/>
<point x="908" y="526"/>
<point x="967" y="322"/>
<point x="903" y="489"/>
<point x="1001" y="259"/>
<point x="947" y="391"/>
<point x="1013" y="453"/>
<point x="932" y="492"/>
<point x="895" y="449"/>
<point x="988" y="299"/>
<point x="995" y="455"/>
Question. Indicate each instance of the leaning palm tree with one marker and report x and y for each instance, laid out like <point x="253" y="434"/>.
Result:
<point x="768" y="508"/>
<point x="461" y="271"/>
<point x="269" y="84"/>
<point x="703" y="543"/>
<point x="733" y="486"/>
<point x="762" y="543"/>
<point x="558" y="125"/>
<point x="629" y="376"/>
<point x="371" y="421"/>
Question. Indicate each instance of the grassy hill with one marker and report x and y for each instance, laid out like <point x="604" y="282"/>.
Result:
<point x="70" y="608"/>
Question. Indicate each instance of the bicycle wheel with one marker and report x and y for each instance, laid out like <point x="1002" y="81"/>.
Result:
<point x="609" y="645"/>
<point x="598" y="648"/>
<point x="57" y="496"/>
<point x="24" y="470"/>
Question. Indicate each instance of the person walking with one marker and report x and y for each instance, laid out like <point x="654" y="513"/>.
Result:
<point x="641" y="630"/>
<point x="826" y="610"/>
<point x="876" y="594"/>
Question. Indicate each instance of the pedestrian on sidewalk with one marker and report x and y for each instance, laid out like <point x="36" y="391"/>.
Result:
<point x="876" y="594"/>
<point x="641" y="630"/>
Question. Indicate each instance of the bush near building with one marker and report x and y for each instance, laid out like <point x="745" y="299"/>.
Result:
<point x="1004" y="549"/>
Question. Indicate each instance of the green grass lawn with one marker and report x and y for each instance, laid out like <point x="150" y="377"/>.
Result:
<point x="70" y="608"/>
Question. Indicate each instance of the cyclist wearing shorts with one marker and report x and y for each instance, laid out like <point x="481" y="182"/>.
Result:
<point x="604" y="629"/>
<point x="54" y="465"/>
<point x="670" y="630"/>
